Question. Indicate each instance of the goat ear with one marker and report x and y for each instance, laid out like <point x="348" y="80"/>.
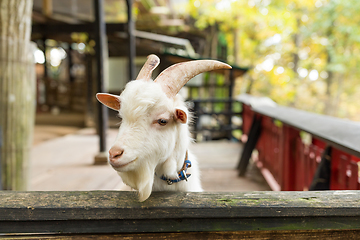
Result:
<point x="109" y="100"/>
<point x="180" y="116"/>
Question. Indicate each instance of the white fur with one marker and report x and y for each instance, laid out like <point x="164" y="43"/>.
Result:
<point x="150" y="148"/>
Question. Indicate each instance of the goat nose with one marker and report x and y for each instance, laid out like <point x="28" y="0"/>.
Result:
<point x="115" y="153"/>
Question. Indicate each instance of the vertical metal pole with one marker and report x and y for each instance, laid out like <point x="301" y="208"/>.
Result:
<point x="45" y="59"/>
<point x="131" y="39"/>
<point x="46" y="77"/>
<point x="197" y="125"/>
<point x="230" y="105"/>
<point x="71" y="79"/>
<point x="90" y="85"/>
<point x="100" y="38"/>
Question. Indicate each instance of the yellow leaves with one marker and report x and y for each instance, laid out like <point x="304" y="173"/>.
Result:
<point x="316" y="37"/>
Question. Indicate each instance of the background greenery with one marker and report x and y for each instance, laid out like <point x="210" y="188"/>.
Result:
<point x="303" y="53"/>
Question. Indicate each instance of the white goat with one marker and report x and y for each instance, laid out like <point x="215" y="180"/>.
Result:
<point x="151" y="151"/>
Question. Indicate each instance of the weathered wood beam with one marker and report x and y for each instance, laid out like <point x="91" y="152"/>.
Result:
<point x="279" y="235"/>
<point x="120" y="212"/>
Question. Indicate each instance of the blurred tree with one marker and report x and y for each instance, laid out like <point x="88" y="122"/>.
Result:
<point x="304" y="53"/>
<point x="336" y="27"/>
<point x="17" y="91"/>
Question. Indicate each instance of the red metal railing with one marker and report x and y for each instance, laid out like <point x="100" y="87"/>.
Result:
<point x="290" y="163"/>
<point x="345" y="169"/>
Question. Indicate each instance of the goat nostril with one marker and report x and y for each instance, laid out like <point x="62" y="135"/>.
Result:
<point x="118" y="155"/>
<point x="115" y="153"/>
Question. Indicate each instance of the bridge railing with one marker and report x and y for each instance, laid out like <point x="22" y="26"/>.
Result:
<point x="298" y="150"/>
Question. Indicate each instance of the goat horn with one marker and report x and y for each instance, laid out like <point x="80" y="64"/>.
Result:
<point x="176" y="76"/>
<point x="151" y="63"/>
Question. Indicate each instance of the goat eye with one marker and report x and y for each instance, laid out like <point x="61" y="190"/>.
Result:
<point x="162" y="122"/>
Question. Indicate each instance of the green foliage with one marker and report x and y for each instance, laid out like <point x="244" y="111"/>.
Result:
<point x="303" y="53"/>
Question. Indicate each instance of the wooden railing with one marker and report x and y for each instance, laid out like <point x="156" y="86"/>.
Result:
<point x="298" y="150"/>
<point x="265" y="215"/>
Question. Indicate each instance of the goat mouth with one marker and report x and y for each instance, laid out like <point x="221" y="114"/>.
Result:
<point x="118" y="166"/>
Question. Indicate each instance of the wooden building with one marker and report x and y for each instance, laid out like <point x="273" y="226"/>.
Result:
<point x="67" y="30"/>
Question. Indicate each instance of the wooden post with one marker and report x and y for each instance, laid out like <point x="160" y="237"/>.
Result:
<point x="131" y="39"/>
<point x="288" y="143"/>
<point x="17" y="91"/>
<point x="102" y="113"/>
<point x="254" y="135"/>
<point x="321" y="179"/>
<point x="47" y="8"/>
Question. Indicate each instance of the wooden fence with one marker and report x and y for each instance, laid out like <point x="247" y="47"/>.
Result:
<point x="105" y="214"/>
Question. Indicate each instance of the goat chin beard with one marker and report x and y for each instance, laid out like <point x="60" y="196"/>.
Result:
<point x="140" y="179"/>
